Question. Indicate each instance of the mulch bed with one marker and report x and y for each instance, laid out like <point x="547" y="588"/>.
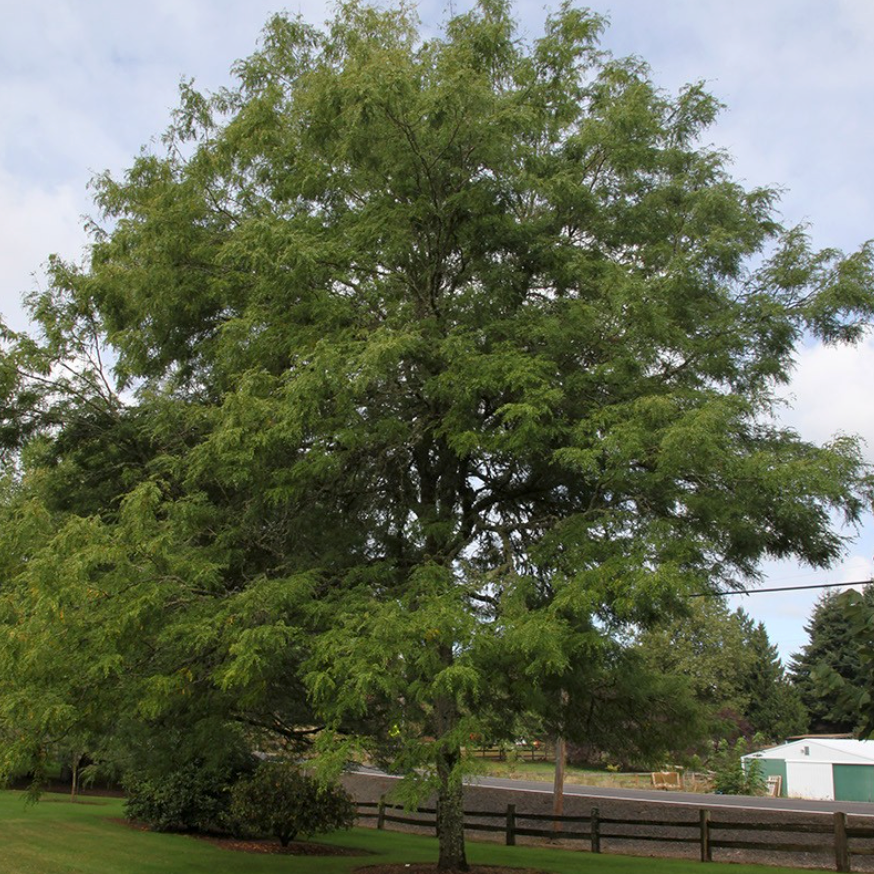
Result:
<point x="261" y="845"/>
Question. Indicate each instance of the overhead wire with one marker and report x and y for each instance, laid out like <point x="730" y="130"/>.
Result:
<point x="780" y="589"/>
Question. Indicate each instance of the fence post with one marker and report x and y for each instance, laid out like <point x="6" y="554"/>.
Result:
<point x="596" y="831"/>
<point x="706" y="852"/>
<point x="842" y="848"/>
<point x="511" y="825"/>
<point x="380" y="813"/>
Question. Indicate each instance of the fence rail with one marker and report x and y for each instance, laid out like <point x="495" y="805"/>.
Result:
<point x="665" y="830"/>
<point x="521" y="752"/>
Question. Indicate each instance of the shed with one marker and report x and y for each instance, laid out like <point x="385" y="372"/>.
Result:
<point x="821" y="768"/>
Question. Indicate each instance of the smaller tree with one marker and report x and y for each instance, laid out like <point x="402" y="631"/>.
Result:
<point x="731" y="776"/>
<point x="851" y="694"/>
<point x="774" y="707"/>
<point x="833" y="664"/>
<point x="180" y="778"/>
<point x="731" y="668"/>
<point x="281" y="801"/>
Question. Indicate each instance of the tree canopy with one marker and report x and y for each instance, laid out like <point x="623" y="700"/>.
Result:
<point x="426" y="355"/>
<point x="834" y="662"/>
<point x="730" y="667"/>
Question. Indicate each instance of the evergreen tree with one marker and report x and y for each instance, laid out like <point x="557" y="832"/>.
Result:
<point x="730" y="667"/>
<point x="834" y="648"/>
<point x="774" y="707"/>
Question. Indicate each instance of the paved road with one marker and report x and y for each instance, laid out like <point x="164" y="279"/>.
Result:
<point x="651" y="796"/>
<point x="685" y="798"/>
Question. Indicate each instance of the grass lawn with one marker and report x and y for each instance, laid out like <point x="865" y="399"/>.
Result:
<point x="58" y="837"/>
<point x="545" y="771"/>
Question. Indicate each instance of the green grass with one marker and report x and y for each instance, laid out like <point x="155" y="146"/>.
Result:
<point x="545" y="771"/>
<point x="58" y="837"/>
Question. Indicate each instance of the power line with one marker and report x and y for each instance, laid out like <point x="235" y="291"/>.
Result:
<point x="780" y="589"/>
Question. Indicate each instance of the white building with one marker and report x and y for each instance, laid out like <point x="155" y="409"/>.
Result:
<point x="821" y="768"/>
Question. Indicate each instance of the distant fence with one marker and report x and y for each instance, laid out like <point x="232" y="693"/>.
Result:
<point x="535" y="752"/>
<point x="700" y="830"/>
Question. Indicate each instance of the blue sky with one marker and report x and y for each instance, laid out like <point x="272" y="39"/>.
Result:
<point x="84" y="84"/>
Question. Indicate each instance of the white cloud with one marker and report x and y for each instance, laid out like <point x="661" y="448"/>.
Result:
<point x="856" y="570"/>
<point x="34" y="223"/>
<point x="830" y="393"/>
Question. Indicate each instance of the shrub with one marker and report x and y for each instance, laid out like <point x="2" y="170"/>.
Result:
<point x="731" y="777"/>
<point x="190" y="798"/>
<point x="279" y="800"/>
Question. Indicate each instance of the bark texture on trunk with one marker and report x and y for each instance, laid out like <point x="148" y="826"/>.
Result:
<point x="450" y="825"/>
<point x="74" y="776"/>
<point x="450" y="794"/>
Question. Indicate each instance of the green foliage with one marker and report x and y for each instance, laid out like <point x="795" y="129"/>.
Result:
<point x="774" y="707"/>
<point x="734" y="777"/>
<point x="438" y="355"/>
<point x="834" y="671"/>
<point x="191" y="798"/>
<point x="279" y="800"/>
<point x="730" y="667"/>
<point x="832" y="661"/>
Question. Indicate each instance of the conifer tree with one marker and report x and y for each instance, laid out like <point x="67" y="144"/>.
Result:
<point x="834" y="648"/>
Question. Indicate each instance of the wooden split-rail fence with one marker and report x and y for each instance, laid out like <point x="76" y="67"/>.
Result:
<point x="837" y="835"/>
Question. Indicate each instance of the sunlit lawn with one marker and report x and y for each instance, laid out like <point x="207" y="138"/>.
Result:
<point x="520" y="769"/>
<point x="58" y="837"/>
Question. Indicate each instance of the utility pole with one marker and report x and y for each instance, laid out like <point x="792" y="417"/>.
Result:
<point x="558" y="784"/>
<point x="560" y="759"/>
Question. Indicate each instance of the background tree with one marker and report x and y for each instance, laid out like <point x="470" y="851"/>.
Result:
<point x="730" y="667"/>
<point x="441" y="353"/>
<point x="774" y="707"/>
<point x="832" y="661"/>
<point x="854" y="694"/>
<point x="609" y="705"/>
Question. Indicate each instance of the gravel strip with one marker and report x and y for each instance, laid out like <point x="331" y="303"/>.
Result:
<point x="819" y="855"/>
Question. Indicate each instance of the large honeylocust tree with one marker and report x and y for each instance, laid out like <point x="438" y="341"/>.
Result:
<point x="437" y="355"/>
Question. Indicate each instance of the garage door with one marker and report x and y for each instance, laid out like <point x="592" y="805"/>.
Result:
<point x="854" y="782"/>
<point x="775" y="768"/>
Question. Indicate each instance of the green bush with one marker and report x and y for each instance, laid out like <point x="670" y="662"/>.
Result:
<point x="731" y="777"/>
<point x="191" y="798"/>
<point x="280" y="801"/>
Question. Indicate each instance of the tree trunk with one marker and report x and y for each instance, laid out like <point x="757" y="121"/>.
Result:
<point x="74" y="776"/>
<point x="450" y="822"/>
<point x="558" y="782"/>
<point x="450" y="793"/>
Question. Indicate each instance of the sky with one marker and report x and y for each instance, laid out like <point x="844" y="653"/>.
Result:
<point x="85" y="84"/>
